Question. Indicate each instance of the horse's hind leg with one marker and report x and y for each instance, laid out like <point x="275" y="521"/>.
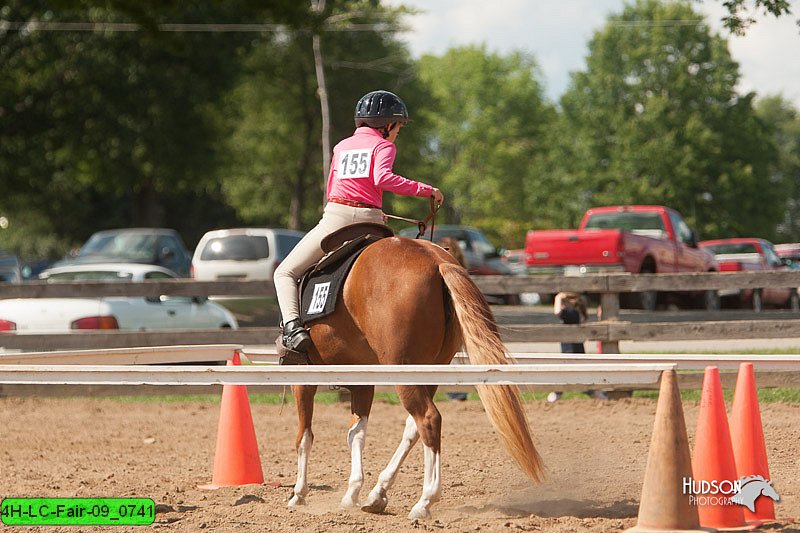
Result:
<point x="304" y="398"/>
<point x="360" y="406"/>
<point x="377" y="499"/>
<point x="419" y="402"/>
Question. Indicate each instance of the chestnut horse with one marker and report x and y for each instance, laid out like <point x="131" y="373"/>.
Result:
<point x="407" y="302"/>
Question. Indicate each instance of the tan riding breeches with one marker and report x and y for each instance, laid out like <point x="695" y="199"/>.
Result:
<point x="308" y="251"/>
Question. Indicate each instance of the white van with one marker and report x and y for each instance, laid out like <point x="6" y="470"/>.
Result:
<point x="242" y="253"/>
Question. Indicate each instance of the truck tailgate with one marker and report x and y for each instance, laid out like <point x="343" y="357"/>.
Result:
<point x="572" y="247"/>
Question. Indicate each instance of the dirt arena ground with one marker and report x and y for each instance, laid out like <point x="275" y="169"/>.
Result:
<point x="595" y="454"/>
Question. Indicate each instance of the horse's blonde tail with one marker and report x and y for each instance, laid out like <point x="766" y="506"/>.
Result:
<point x="483" y="345"/>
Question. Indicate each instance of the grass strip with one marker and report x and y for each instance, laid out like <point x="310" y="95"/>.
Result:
<point x="333" y="397"/>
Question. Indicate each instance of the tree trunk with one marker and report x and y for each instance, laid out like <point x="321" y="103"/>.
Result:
<point x="298" y="194"/>
<point x="304" y="162"/>
<point x="319" y="6"/>
<point x="148" y="210"/>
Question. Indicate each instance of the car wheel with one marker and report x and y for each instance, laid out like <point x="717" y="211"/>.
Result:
<point x="794" y="301"/>
<point x="711" y="300"/>
<point x="546" y="298"/>
<point x="648" y="300"/>
<point x="757" y="302"/>
<point x="619" y="394"/>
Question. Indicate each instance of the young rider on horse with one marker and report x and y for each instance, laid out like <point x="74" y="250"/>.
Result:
<point x="360" y="171"/>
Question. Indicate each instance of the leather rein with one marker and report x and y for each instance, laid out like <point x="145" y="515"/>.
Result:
<point x="422" y="225"/>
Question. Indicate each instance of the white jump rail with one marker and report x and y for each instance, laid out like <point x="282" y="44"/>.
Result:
<point x="776" y="363"/>
<point x="127" y="356"/>
<point x="764" y="363"/>
<point x="224" y="352"/>
<point x="520" y="374"/>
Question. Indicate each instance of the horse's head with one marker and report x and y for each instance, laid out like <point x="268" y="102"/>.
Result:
<point x="751" y="488"/>
<point x="452" y="246"/>
<point x="768" y="490"/>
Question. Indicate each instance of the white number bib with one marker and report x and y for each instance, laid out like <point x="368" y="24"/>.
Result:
<point x="318" y="299"/>
<point x="354" y="164"/>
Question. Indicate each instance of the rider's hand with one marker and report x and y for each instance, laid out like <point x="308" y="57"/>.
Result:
<point x="437" y="196"/>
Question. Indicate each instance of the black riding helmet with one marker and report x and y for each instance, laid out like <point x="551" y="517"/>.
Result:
<point x="380" y="108"/>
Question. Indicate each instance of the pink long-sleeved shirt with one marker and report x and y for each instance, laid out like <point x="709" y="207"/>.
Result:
<point x="361" y="170"/>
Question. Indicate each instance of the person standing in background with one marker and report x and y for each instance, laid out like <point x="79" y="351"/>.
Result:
<point x="570" y="308"/>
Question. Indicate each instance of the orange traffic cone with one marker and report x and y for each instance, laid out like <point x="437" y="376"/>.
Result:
<point x="664" y="506"/>
<point x="236" y="461"/>
<point x="713" y="466"/>
<point x="747" y="438"/>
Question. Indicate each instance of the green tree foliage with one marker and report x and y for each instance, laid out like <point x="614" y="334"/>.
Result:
<point x="486" y="143"/>
<point x="274" y="171"/>
<point x="114" y="128"/>
<point x="784" y="121"/>
<point x="656" y="118"/>
<point x="741" y="13"/>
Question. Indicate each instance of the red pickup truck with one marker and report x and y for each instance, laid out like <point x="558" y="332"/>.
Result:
<point x="632" y="238"/>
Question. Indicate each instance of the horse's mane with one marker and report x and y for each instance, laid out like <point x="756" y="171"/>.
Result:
<point x="749" y="479"/>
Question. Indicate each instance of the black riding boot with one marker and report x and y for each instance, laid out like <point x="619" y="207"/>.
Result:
<point x="296" y="337"/>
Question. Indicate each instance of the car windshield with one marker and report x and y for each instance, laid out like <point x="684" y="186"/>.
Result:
<point x="236" y="248"/>
<point x="121" y="245"/>
<point x="626" y="221"/>
<point x="740" y="248"/>
<point x="285" y="245"/>
<point x="95" y="275"/>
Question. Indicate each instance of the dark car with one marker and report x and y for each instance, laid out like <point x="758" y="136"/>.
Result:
<point x="151" y="246"/>
<point x="482" y="258"/>
<point x="10" y="268"/>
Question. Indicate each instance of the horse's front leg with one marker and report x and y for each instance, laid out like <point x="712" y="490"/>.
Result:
<point x="360" y="406"/>
<point x="304" y="398"/>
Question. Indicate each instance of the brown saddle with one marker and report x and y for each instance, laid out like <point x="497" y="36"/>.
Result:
<point x="348" y="233"/>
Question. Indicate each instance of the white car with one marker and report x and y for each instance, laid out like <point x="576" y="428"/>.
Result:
<point x="62" y="315"/>
<point x="242" y="253"/>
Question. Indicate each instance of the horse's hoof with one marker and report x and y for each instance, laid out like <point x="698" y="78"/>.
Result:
<point x="296" y="501"/>
<point x="349" y="503"/>
<point x="419" y="513"/>
<point x="375" y="504"/>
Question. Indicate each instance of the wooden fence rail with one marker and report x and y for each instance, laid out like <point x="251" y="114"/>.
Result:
<point x="610" y="331"/>
<point x="597" y="283"/>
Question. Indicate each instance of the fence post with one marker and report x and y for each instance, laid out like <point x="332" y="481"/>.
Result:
<point x="609" y="303"/>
